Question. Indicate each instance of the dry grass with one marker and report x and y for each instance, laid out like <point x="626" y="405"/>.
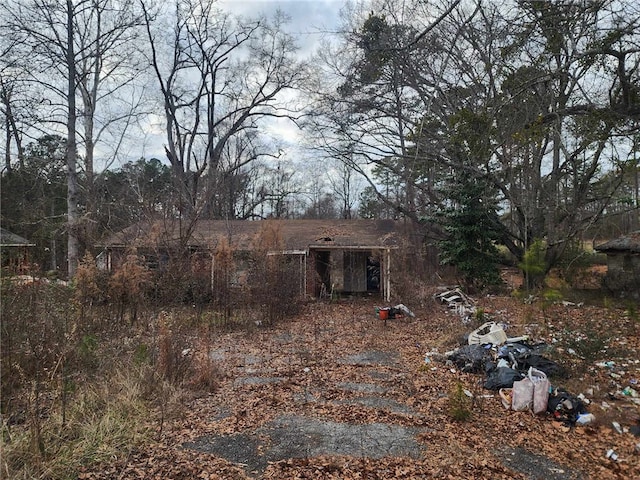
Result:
<point x="103" y="422"/>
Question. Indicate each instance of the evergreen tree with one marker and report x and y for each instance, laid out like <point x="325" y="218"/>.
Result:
<point x="472" y="229"/>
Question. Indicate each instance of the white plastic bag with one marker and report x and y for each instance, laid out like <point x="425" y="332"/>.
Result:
<point x="522" y="395"/>
<point x="540" y="390"/>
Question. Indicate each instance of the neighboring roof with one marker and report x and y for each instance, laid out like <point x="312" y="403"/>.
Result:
<point x="627" y="243"/>
<point x="9" y="239"/>
<point x="242" y="234"/>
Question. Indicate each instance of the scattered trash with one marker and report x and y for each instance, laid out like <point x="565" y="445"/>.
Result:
<point x="502" y="377"/>
<point x="617" y="427"/>
<point x="489" y="333"/>
<point x="523" y="338"/>
<point x="523" y="357"/>
<point x="456" y="300"/>
<point x="517" y="369"/>
<point x="401" y="307"/>
<point x="612" y="455"/>
<point x="470" y="358"/>
<point x="541" y="386"/>
<point x="565" y="406"/>
<point x="571" y="304"/>
<point x="506" y="396"/>
<point x="608" y="364"/>
<point x="584" y="399"/>
<point x="522" y="398"/>
<point x="398" y="311"/>
<point x="383" y="313"/>
<point x="630" y="392"/>
<point x="531" y="393"/>
<point x="585" y="419"/>
<point x="454" y="297"/>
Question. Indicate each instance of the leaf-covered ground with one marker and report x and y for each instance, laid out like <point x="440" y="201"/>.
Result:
<point x="338" y="393"/>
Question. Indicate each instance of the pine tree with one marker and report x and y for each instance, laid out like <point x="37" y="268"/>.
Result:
<point x="471" y="227"/>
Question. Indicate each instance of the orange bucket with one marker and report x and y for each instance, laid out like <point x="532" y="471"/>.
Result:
<point x="383" y="313"/>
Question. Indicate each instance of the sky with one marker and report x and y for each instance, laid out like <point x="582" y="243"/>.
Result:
<point x="308" y="17"/>
<point x="311" y="21"/>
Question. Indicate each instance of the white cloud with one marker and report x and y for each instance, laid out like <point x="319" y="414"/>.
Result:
<point x="311" y="20"/>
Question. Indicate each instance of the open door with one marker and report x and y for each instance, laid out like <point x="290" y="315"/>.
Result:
<point x="355" y="271"/>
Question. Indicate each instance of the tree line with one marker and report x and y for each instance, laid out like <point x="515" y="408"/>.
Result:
<point x="482" y="124"/>
<point x="490" y="123"/>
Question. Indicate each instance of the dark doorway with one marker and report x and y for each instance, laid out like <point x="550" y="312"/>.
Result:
<point x="373" y="274"/>
<point x="323" y="261"/>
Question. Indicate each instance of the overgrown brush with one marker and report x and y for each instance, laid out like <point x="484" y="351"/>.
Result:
<point x="104" y="422"/>
<point x="128" y="287"/>
<point x="274" y="285"/>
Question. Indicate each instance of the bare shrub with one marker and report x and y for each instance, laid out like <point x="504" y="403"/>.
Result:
<point x="89" y="288"/>
<point x="223" y="272"/>
<point x="128" y="287"/>
<point x="38" y="334"/>
<point x="205" y="373"/>
<point x="174" y="358"/>
<point x="273" y="287"/>
<point x="185" y="279"/>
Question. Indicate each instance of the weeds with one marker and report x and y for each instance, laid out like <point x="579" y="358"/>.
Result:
<point x="103" y="422"/>
<point x="174" y="359"/>
<point x="460" y="403"/>
<point x="588" y="345"/>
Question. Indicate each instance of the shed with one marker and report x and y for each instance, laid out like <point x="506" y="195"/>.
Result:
<point x="345" y="256"/>
<point x="14" y="251"/>
<point x="623" y="264"/>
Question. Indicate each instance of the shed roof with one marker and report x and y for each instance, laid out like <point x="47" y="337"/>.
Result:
<point x="627" y="243"/>
<point x="242" y="234"/>
<point x="9" y="239"/>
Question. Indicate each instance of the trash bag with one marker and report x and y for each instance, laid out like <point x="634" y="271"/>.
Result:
<point x="540" y="390"/>
<point x="522" y="395"/>
<point x="513" y="349"/>
<point x="502" y="377"/>
<point x="524" y="357"/>
<point x="470" y="358"/>
<point x="549" y="367"/>
<point x="565" y="406"/>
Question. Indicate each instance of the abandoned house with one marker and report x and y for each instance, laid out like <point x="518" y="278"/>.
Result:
<point x="14" y="251"/>
<point x="623" y="265"/>
<point x="326" y="256"/>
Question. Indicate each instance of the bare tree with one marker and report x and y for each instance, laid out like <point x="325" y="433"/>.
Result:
<point x="506" y="95"/>
<point x="79" y="48"/>
<point x="220" y="78"/>
<point x="346" y="186"/>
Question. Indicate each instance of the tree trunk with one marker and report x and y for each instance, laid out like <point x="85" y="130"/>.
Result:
<point x="73" y="243"/>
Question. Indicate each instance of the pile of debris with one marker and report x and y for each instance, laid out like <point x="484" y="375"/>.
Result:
<point x="459" y="302"/>
<point x="517" y="369"/>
